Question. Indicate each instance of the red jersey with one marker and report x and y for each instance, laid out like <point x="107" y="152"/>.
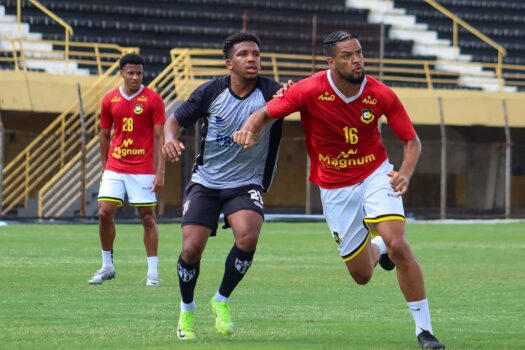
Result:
<point x="341" y="134"/>
<point x="132" y="149"/>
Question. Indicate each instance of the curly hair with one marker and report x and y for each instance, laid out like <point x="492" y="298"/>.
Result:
<point x="238" y="38"/>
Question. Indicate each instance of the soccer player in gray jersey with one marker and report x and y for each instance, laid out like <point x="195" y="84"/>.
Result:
<point x="225" y="177"/>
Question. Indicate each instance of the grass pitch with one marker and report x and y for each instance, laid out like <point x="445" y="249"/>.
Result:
<point x="297" y="295"/>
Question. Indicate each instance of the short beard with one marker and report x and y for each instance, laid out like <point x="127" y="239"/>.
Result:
<point x="356" y="81"/>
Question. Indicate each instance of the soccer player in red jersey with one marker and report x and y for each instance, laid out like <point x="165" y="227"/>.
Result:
<point x="137" y="115"/>
<point x="360" y="191"/>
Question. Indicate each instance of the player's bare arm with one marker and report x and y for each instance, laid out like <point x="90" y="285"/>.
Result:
<point x="158" y="182"/>
<point x="249" y="133"/>
<point x="173" y="147"/>
<point x="104" y="138"/>
<point x="400" y="179"/>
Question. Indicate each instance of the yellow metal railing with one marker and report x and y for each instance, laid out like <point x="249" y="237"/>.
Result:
<point x="206" y="64"/>
<point x="63" y="190"/>
<point x="67" y="27"/>
<point x="98" y="56"/>
<point x="502" y="52"/>
<point x="55" y="146"/>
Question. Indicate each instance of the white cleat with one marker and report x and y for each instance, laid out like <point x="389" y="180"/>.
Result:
<point x="152" y="280"/>
<point x="104" y="274"/>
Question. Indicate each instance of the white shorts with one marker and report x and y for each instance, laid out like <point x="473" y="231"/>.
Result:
<point x="352" y="212"/>
<point x="114" y="186"/>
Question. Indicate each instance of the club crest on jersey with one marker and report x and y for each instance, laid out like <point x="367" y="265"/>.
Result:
<point x="367" y="116"/>
<point x="138" y="109"/>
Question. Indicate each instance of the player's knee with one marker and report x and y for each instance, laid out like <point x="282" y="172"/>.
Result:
<point x="104" y="214"/>
<point x="361" y="277"/>
<point x="148" y="219"/>
<point x="247" y="242"/>
<point x="191" y="253"/>
<point x="399" y="250"/>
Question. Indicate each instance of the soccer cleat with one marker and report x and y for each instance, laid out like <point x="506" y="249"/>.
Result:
<point x="185" y="328"/>
<point x="152" y="280"/>
<point x="223" y="318"/>
<point x="386" y="263"/>
<point x="428" y="341"/>
<point x="104" y="274"/>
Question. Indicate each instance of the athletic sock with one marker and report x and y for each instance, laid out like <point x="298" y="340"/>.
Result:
<point x="153" y="262"/>
<point x="188" y="274"/>
<point x="378" y="241"/>
<point x="421" y="314"/>
<point x="107" y="258"/>
<point x="191" y="307"/>
<point x="235" y="267"/>
<point x="219" y="297"/>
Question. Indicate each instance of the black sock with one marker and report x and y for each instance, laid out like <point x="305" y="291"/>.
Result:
<point x="237" y="263"/>
<point x="188" y="274"/>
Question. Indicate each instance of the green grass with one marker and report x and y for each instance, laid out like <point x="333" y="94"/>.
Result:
<point x="297" y="295"/>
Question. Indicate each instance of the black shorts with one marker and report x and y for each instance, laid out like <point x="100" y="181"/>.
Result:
<point x="203" y="206"/>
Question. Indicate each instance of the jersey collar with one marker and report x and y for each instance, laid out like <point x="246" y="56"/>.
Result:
<point x="340" y="94"/>
<point x="129" y="98"/>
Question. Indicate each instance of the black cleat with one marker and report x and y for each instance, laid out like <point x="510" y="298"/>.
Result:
<point x="386" y="263"/>
<point x="428" y="341"/>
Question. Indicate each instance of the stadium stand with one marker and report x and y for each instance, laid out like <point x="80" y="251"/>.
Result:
<point x="159" y="25"/>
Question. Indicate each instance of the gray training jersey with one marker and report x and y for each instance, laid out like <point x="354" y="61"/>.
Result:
<point x="221" y="163"/>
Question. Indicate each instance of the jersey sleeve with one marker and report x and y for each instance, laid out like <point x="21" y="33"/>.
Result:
<point x="158" y="111"/>
<point x="106" y="121"/>
<point x="399" y="120"/>
<point x="268" y="87"/>
<point x="290" y="102"/>
<point x="196" y="106"/>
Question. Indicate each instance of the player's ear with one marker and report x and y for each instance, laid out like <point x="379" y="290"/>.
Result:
<point x="229" y="64"/>
<point x="330" y="61"/>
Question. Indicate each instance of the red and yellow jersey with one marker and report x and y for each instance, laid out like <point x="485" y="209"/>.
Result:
<point x="132" y="149"/>
<point x="341" y="134"/>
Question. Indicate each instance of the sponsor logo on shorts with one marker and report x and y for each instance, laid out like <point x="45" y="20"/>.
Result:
<point x="256" y="197"/>
<point x="186" y="206"/>
<point x="337" y="239"/>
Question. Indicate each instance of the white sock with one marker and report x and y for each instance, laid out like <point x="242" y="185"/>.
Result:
<point x="107" y="260"/>
<point x="421" y="315"/>
<point x="153" y="262"/>
<point x="220" y="297"/>
<point x="191" y="307"/>
<point x="378" y="241"/>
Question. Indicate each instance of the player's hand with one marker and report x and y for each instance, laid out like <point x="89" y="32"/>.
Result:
<point x="172" y="150"/>
<point x="281" y="91"/>
<point x="399" y="182"/>
<point x="158" y="182"/>
<point x="246" y="139"/>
